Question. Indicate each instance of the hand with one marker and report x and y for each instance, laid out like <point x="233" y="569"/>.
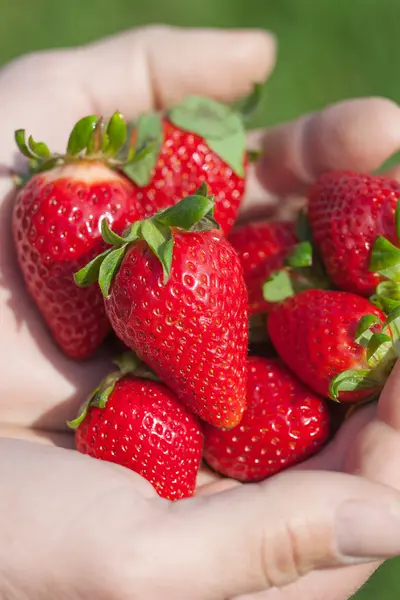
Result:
<point x="76" y="528"/>
<point x="40" y="89"/>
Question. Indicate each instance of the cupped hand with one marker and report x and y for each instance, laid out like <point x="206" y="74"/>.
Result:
<point x="76" y="528"/>
<point x="284" y="527"/>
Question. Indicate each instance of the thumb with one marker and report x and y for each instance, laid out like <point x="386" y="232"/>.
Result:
<point x="255" y="537"/>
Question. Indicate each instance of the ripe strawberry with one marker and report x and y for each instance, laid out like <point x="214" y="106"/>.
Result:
<point x="284" y="424"/>
<point x="334" y="342"/>
<point x="56" y="227"/>
<point x="139" y="424"/>
<point x="348" y="211"/>
<point x="175" y="294"/>
<point x="198" y="140"/>
<point x="262" y="247"/>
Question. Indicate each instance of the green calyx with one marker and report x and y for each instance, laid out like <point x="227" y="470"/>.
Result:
<point x="90" y="139"/>
<point x="381" y="354"/>
<point x="128" y="364"/>
<point x="193" y="213"/>
<point x="222" y="127"/>
<point x="303" y="268"/>
<point x="385" y="261"/>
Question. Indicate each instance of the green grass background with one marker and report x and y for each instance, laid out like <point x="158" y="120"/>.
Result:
<point x="328" y="50"/>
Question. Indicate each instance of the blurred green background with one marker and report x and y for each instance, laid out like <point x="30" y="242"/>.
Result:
<point x="328" y="50"/>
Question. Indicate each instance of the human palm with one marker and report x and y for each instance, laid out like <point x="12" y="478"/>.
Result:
<point x="41" y="388"/>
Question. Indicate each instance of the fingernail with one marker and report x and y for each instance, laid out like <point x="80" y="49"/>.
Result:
<point x="366" y="530"/>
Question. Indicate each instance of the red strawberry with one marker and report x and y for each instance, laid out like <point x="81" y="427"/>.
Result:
<point x="198" y="140"/>
<point x="262" y="247"/>
<point x="284" y="424"/>
<point x="175" y="294"/>
<point x="333" y="342"/>
<point x="139" y="424"/>
<point x="56" y="227"/>
<point x="348" y="211"/>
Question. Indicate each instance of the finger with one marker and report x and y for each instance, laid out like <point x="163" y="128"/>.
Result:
<point x="329" y="584"/>
<point x="369" y="452"/>
<point x="358" y="134"/>
<point x="48" y="438"/>
<point x="377" y="444"/>
<point x="389" y="401"/>
<point x="261" y="536"/>
<point x="159" y="65"/>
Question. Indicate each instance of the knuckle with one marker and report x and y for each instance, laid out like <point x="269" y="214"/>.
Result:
<point x="290" y="551"/>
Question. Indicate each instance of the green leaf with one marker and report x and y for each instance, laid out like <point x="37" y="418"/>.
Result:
<point x="159" y="238"/>
<point x="351" y="380"/>
<point x="139" y="155"/>
<point x="278" y="287"/>
<point x="186" y="213"/>
<point x="378" y="346"/>
<point x="96" y="138"/>
<point x="248" y="106"/>
<point x="231" y="150"/>
<point x="220" y="126"/>
<point x="300" y="256"/>
<point x="202" y="190"/>
<point x="97" y="399"/>
<point x="131" y="234"/>
<point x="397" y="218"/>
<point x="385" y="259"/>
<point x="387" y="296"/>
<point x="393" y="323"/>
<point x="127" y="362"/>
<point x="207" y="223"/>
<point x="83" y="411"/>
<point x="47" y="164"/>
<point x="363" y="332"/>
<point x="149" y="132"/>
<point x="89" y="274"/>
<point x="303" y="229"/>
<point x="124" y="152"/>
<point x="109" y="236"/>
<point x="101" y="398"/>
<point x="20" y="140"/>
<point x="39" y="148"/>
<point x="79" y="137"/>
<point x="205" y="117"/>
<point x="105" y="142"/>
<point x="116" y="132"/>
<point x="109" y="268"/>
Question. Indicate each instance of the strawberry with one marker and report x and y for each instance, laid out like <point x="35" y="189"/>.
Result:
<point x="139" y="424"/>
<point x="335" y="342"/>
<point x="56" y="227"/>
<point x="353" y="222"/>
<point x="284" y="424"/>
<point x="175" y="295"/>
<point x="262" y="247"/>
<point x="195" y="141"/>
<point x="57" y="213"/>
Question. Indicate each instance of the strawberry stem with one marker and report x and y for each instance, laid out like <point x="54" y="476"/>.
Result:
<point x="128" y="364"/>
<point x="381" y="354"/>
<point x="88" y="140"/>
<point x="193" y="213"/>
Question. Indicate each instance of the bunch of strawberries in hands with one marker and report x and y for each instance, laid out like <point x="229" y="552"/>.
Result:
<point x="131" y="233"/>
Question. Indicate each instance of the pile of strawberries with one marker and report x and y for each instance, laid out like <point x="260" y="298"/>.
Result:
<point x="236" y="340"/>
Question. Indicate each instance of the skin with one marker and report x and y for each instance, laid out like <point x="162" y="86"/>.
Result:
<point x="315" y="531"/>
